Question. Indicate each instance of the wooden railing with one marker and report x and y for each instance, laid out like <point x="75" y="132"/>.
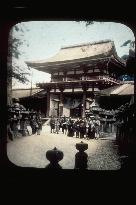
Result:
<point x="93" y="79"/>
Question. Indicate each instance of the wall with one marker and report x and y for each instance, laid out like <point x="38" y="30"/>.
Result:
<point x="68" y="103"/>
<point x="66" y="111"/>
<point x="53" y="104"/>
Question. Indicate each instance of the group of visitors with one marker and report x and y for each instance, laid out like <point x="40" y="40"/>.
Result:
<point x="80" y="128"/>
<point x="20" y="120"/>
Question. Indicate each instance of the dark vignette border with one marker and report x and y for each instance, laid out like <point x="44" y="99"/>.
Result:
<point x="15" y="13"/>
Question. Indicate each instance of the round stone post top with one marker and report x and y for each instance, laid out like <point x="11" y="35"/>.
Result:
<point x="82" y="146"/>
<point x="54" y="155"/>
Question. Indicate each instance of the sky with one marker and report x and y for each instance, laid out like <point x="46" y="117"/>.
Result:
<point x="43" y="39"/>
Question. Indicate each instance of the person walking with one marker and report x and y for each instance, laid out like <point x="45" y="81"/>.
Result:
<point x="64" y="125"/>
<point x="70" y="128"/>
<point x="87" y="130"/>
<point x="34" y="124"/>
<point x="77" y="127"/>
<point x="97" y="128"/>
<point x="52" y="124"/>
<point x="82" y="129"/>
<point x="39" y="122"/>
<point x="10" y="133"/>
<point x="93" y="129"/>
<point x="57" y="126"/>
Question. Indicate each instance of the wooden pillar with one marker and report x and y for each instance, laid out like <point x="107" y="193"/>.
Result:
<point x="48" y="102"/>
<point x="84" y="104"/>
<point x="85" y="88"/>
<point x="65" y="75"/>
<point x="61" y="101"/>
<point x="73" y="89"/>
<point x="93" y="88"/>
<point x="111" y="127"/>
<point x="85" y="71"/>
<point x="112" y="130"/>
<point x="61" y="104"/>
<point x="102" y="127"/>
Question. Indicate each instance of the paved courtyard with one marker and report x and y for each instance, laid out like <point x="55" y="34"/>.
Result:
<point x="31" y="151"/>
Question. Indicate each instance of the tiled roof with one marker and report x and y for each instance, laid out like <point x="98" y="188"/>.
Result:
<point x="21" y="93"/>
<point x="77" y="53"/>
<point x="125" y="89"/>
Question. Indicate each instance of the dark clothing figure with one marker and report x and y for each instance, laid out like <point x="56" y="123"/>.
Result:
<point x="10" y="132"/>
<point x="23" y="127"/>
<point x="64" y="127"/>
<point x="52" y="124"/>
<point x="14" y="127"/>
<point x="34" y="125"/>
<point x="93" y="132"/>
<point x="70" y="128"/>
<point x="77" y="128"/>
<point x="39" y="122"/>
<point x="97" y="129"/>
<point x="90" y="134"/>
<point x="82" y="129"/>
<point x="61" y="121"/>
<point x="87" y="130"/>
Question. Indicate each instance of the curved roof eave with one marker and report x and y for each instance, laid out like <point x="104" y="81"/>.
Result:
<point x="62" y="58"/>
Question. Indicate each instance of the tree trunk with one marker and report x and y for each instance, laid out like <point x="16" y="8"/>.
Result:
<point x="9" y="87"/>
<point x="9" y="70"/>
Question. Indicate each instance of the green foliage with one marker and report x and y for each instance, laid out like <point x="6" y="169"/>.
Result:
<point x="87" y="22"/>
<point x="126" y="43"/>
<point x="125" y="57"/>
<point x="15" y="42"/>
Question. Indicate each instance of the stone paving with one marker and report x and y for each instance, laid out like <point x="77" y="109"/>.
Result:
<point x="31" y="151"/>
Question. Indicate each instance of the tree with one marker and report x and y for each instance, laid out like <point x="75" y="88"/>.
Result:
<point x="88" y="22"/>
<point x="14" y="43"/>
<point x="131" y="44"/>
<point x="15" y="71"/>
<point x="125" y="57"/>
<point x="130" y="59"/>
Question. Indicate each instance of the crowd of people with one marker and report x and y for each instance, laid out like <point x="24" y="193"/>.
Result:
<point x="80" y="128"/>
<point x="20" y="119"/>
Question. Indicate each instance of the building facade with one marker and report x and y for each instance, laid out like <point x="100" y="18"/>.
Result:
<point x="78" y="74"/>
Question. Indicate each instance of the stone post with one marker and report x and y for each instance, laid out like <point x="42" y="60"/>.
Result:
<point x="54" y="156"/>
<point x="81" y="157"/>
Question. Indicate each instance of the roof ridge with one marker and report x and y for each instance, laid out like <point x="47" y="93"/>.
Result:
<point x="85" y="44"/>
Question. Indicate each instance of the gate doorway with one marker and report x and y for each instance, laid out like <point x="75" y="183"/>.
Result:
<point x="76" y="112"/>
